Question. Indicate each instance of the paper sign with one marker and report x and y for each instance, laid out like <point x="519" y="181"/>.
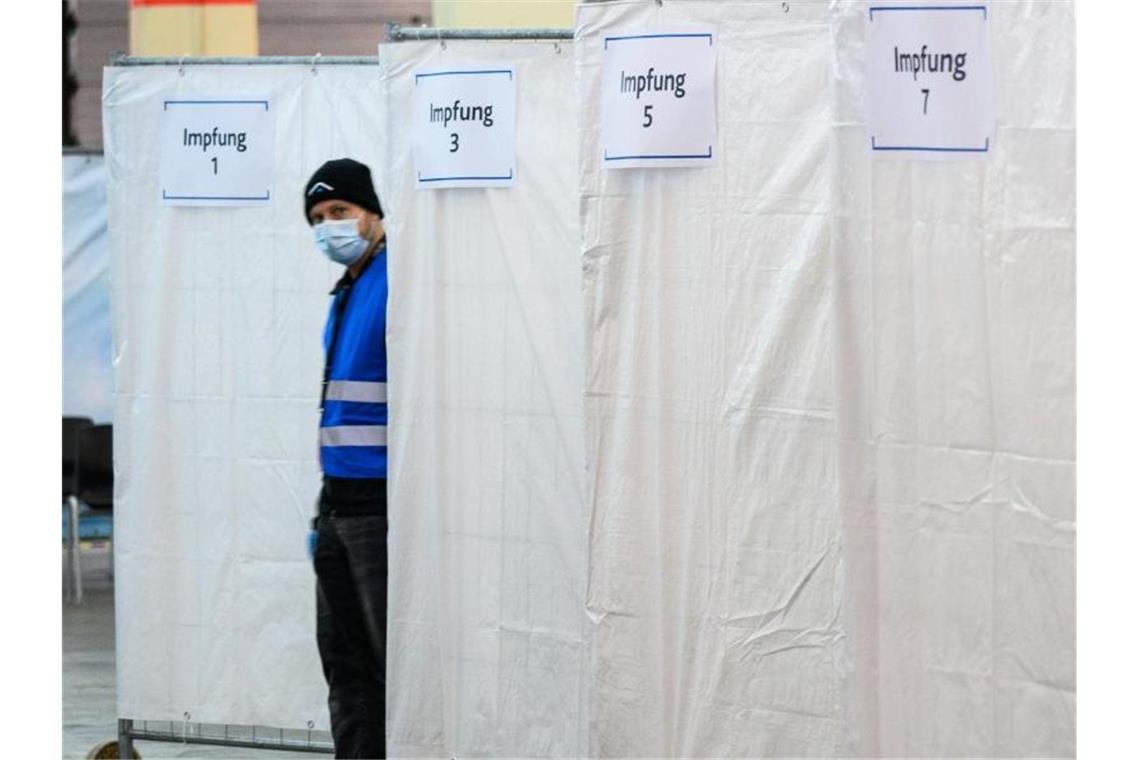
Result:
<point x="463" y="122"/>
<point x="930" y="80"/>
<point x="216" y="151"/>
<point x="659" y="98"/>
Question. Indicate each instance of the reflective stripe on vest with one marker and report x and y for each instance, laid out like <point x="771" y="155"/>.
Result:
<point x="357" y="390"/>
<point x="355" y="435"/>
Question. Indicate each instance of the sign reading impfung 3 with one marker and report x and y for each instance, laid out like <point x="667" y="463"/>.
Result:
<point x="216" y="151"/>
<point x="930" y="80"/>
<point x="464" y="125"/>
<point x="659" y="98"/>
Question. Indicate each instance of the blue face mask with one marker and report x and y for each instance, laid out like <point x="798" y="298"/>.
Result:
<point x="340" y="241"/>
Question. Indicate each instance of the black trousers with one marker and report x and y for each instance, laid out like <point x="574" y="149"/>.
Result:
<point x="351" y="562"/>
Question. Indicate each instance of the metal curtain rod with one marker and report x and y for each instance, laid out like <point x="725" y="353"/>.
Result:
<point x="398" y="33"/>
<point x="121" y="59"/>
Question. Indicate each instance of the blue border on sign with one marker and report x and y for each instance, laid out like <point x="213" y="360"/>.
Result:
<point x="982" y="8"/>
<point x="511" y="173"/>
<point x="166" y="103"/>
<point x="421" y="178"/>
<point x="608" y="157"/>
<point x="984" y="149"/>
<point x="676" y="156"/>
<point x="166" y="197"/>
<point x="658" y="36"/>
<point x="985" y="15"/>
<point x="508" y="72"/>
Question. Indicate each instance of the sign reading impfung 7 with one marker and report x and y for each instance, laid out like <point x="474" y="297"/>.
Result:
<point x="659" y="98"/>
<point x="463" y="122"/>
<point x="215" y="151"/>
<point x="930" y="80"/>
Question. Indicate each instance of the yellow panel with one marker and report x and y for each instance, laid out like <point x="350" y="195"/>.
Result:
<point x="194" y="30"/>
<point x="229" y="30"/>
<point x="476" y="14"/>
<point x="166" y="30"/>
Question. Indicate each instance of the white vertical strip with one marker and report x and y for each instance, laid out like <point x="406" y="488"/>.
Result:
<point x="487" y="651"/>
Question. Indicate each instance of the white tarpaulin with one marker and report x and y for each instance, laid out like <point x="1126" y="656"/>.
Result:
<point x="715" y="543"/>
<point x="955" y="372"/>
<point x="87" y="382"/>
<point x="486" y="653"/>
<point x="830" y="409"/>
<point x="218" y="314"/>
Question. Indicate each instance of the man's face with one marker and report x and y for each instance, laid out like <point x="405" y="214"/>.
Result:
<point x="368" y="224"/>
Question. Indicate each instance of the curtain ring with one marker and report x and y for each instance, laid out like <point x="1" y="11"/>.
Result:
<point x="181" y="70"/>
<point x="313" y="64"/>
<point x="557" y="49"/>
<point x="786" y="7"/>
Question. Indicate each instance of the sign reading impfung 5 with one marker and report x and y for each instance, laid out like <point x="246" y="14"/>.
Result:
<point x="215" y="151"/>
<point x="463" y="121"/>
<point x="659" y="98"/>
<point x="930" y="80"/>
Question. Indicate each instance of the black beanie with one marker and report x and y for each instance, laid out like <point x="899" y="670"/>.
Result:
<point x="344" y="180"/>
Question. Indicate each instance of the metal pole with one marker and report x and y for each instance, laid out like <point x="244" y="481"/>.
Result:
<point x="126" y="741"/>
<point x="121" y="59"/>
<point x="67" y="151"/>
<point x="398" y="33"/>
<point x="73" y="562"/>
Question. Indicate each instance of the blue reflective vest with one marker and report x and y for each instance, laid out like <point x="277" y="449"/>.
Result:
<point x="354" y="412"/>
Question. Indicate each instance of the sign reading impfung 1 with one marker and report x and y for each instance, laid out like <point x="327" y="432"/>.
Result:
<point x="463" y="121"/>
<point x="930" y="80"/>
<point x="659" y="98"/>
<point x="216" y="151"/>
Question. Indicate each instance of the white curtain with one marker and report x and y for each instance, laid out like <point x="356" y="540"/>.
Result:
<point x="830" y="403"/>
<point x="487" y="651"/>
<point x="955" y="317"/>
<point x="715" y="543"/>
<point x="218" y="315"/>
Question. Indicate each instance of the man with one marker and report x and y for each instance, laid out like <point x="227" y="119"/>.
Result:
<point x="350" y="540"/>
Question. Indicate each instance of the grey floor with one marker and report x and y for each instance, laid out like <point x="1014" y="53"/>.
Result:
<point x="89" y="715"/>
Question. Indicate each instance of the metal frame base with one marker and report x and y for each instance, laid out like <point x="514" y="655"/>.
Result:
<point x="248" y="737"/>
